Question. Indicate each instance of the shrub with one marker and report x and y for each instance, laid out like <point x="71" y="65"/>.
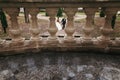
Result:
<point x="59" y="13"/>
<point x="102" y="12"/>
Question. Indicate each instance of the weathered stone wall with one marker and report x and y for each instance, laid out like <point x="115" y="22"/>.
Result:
<point x="60" y="66"/>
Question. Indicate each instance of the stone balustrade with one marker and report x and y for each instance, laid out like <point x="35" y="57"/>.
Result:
<point x="53" y="42"/>
<point x="54" y="0"/>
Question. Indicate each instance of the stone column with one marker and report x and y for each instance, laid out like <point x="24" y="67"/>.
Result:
<point x="34" y="29"/>
<point x="70" y="29"/>
<point x="88" y="28"/>
<point x="14" y="31"/>
<point x="52" y="27"/>
<point x="106" y="30"/>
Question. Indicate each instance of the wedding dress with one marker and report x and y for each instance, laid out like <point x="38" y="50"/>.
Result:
<point x="58" y="25"/>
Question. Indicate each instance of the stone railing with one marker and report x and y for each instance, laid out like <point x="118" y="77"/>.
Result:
<point x="69" y="42"/>
<point x="54" y="0"/>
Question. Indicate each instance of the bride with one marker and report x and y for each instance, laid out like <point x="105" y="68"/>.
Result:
<point x="58" y="25"/>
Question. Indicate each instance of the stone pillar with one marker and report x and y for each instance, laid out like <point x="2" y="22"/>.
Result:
<point x="88" y="28"/>
<point x="52" y="27"/>
<point x="70" y="29"/>
<point x="14" y="31"/>
<point x="34" y="29"/>
<point x="106" y="30"/>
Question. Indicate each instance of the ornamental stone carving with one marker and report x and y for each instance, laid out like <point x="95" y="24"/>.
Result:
<point x="88" y="28"/>
<point x="35" y="31"/>
<point x="52" y="27"/>
<point x="106" y="30"/>
<point x="70" y="29"/>
<point x="14" y="31"/>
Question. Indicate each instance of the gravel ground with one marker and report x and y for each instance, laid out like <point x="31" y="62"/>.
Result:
<point x="60" y="66"/>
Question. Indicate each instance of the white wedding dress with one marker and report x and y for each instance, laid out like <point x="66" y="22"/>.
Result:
<point x="58" y="25"/>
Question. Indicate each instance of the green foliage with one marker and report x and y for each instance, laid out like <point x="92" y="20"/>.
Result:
<point x="59" y="13"/>
<point x="102" y="12"/>
<point x="118" y="18"/>
<point x="46" y="14"/>
<point x="3" y="19"/>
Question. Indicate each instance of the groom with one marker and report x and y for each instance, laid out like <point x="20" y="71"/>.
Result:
<point x="63" y="23"/>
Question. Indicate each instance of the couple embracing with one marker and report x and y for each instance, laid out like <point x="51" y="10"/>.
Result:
<point x="62" y="25"/>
